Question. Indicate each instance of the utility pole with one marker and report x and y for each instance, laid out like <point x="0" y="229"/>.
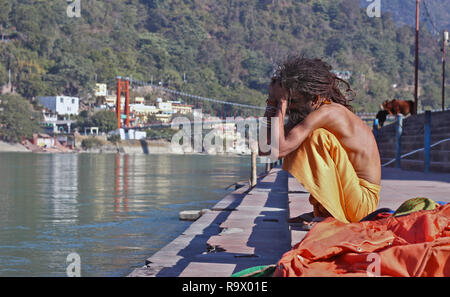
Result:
<point x="444" y="45"/>
<point x="416" y="68"/>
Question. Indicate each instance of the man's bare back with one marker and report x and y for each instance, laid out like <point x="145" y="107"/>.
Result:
<point x="355" y="137"/>
<point x="353" y="134"/>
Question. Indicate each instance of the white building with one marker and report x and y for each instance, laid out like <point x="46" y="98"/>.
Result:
<point x="182" y="108"/>
<point x="139" y="100"/>
<point x="61" y="104"/>
<point x="143" y="109"/>
<point x="130" y="134"/>
<point x="101" y="90"/>
<point x="165" y="107"/>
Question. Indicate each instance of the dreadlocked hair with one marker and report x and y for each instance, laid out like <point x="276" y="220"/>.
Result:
<point x="313" y="78"/>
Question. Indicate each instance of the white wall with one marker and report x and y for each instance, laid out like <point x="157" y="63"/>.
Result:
<point x="61" y="104"/>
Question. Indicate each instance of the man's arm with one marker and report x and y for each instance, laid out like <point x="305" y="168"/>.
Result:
<point x="292" y="140"/>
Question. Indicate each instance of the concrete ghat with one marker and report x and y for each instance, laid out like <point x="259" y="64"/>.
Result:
<point x="249" y="227"/>
<point x="246" y="228"/>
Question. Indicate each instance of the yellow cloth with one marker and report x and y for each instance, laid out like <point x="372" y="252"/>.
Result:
<point x="321" y="164"/>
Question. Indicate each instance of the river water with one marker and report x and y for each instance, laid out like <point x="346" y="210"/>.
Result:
<point x="112" y="210"/>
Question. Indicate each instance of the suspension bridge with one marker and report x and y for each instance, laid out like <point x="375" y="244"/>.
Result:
<point x="123" y="117"/>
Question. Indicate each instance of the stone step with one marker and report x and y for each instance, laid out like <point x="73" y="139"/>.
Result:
<point x="435" y="115"/>
<point x="416" y="127"/>
<point x="418" y="165"/>
<point x="421" y="121"/>
<point x="408" y="147"/>
<point x="421" y="130"/>
<point x="420" y="137"/>
<point x="416" y="138"/>
<point x="416" y="133"/>
<point x="439" y="129"/>
<point x="435" y="155"/>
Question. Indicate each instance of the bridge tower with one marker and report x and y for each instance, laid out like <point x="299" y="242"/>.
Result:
<point x="125" y="87"/>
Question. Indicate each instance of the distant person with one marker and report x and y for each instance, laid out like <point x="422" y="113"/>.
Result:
<point x="381" y="116"/>
<point x="326" y="147"/>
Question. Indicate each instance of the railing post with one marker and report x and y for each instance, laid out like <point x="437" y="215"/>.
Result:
<point x="253" y="177"/>
<point x="398" y="140"/>
<point x="375" y="128"/>
<point x="427" y="134"/>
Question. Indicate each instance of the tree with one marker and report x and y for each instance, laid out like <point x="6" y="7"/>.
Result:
<point x="5" y="9"/>
<point x="105" y="120"/>
<point x="3" y="75"/>
<point x="228" y="49"/>
<point x="17" y="118"/>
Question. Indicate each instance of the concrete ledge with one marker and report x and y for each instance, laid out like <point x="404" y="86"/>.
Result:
<point x="236" y="234"/>
<point x="191" y="215"/>
<point x="249" y="227"/>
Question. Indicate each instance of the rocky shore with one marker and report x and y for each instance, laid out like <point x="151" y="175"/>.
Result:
<point x="12" y="147"/>
<point x="147" y="147"/>
<point x="126" y="147"/>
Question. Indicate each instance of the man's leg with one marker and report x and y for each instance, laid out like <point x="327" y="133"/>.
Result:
<point x="322" y="166"/>
<point x="319" y="210"/>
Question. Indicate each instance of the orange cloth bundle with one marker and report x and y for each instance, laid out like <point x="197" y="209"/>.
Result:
<point x="321" y="164"/>
<point x="417" y="244"/>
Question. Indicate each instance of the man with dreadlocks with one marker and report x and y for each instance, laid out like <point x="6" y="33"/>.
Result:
<point x="326" y="147"/>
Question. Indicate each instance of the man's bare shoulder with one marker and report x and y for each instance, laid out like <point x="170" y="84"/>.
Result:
<point x="328" y="115"/>
<point x="337" y="119"/>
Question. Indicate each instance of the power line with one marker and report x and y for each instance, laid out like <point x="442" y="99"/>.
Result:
<point x="437" y="31"/>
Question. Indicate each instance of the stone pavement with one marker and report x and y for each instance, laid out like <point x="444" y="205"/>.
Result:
<point x="399" y="185"/>
<point x="249" y="227"/>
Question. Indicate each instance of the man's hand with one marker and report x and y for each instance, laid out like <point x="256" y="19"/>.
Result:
<point x="283" y="106"/>
<point x="272" y="102"/>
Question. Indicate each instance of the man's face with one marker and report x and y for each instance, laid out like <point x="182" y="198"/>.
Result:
<point x="276" y="92"/>
<point x="298" y="106"/>
<point x="299" y="102"/>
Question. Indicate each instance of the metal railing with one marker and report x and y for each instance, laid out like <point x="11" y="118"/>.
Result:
<point x="398" y="143"/>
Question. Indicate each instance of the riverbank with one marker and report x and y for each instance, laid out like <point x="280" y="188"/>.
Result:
<point x="146" y="147"/>
<point x="13" y="147"/>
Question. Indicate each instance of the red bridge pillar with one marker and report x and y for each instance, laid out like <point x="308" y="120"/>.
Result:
<point x="118" y="111"/>
<point x="127" y="102"/>
<point x="125" y="87"/>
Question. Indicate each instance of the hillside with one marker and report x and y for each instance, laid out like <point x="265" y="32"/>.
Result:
<point x="227" y="49"/>
<point x="435" y="14"/>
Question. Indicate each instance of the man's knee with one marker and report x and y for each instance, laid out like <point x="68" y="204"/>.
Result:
<point x="319" y="139"/>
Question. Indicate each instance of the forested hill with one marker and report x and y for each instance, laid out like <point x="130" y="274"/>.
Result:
<point x="227" y="49"/>
<point x="435" y="14"/>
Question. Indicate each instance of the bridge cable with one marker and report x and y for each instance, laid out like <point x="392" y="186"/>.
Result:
<point x="198" y="97"/>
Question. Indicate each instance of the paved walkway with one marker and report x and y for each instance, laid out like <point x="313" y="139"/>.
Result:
<point x="399" y="185"/>
<point x="249" y="227"/>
